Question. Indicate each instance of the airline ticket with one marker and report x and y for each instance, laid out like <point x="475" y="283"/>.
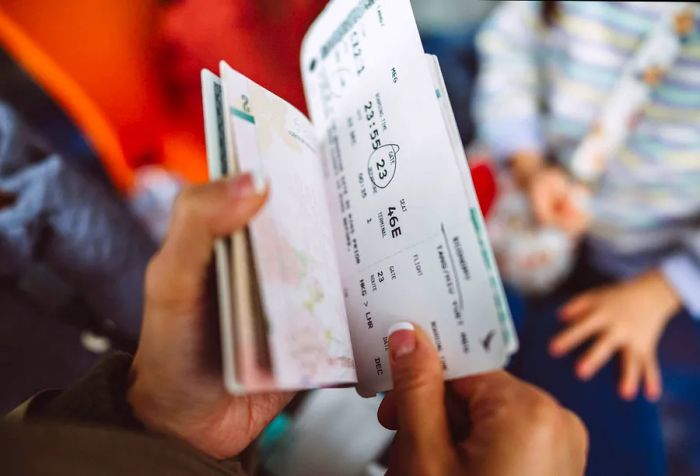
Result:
<point x="409" y="234"/>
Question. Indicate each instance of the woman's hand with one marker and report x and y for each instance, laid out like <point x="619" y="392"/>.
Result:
<point x="490" y="424"/>
<point x="178" y="388"/>
<point x="628" y="318"/>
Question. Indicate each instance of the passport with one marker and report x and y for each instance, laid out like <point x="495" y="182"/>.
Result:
<point x="372" y="217"/>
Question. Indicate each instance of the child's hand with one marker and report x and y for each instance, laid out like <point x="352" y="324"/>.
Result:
<point x="627" y="318"/>
<point x="556" y="200"/>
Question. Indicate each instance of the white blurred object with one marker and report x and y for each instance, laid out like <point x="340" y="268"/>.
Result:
<point x="440" y="16"/>
<point x="155" y="190"/>
<point x="335" y="433"/>
<point x="95" y="343"/>
<point x="374" y="469"/>
<point x="532" y="258"/>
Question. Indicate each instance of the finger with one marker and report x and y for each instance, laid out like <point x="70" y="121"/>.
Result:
<point x="386" y="414"/>
<point x="395" y="460"/>
<point x="572" y="219"/>
<point x="577" y="306"/>
<point x="567" y="209"/>
<point x="575" y="335"/>
<point x="497" y="399"/>
<point x="206" y="212"/>
<point x="542" y="205"/>
<point x="558" y="189"/>
<point x="201" y="214"/>
<point x="419" y="392"/>
<point x="595" y="357"/>
<point x="652" y="380"/>
<point x="631" y="371"/>
<point x="475" y="386"/>
<point x="484" y="393"/>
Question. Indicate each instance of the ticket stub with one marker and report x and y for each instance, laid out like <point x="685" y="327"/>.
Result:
<point x="408" y="230"/>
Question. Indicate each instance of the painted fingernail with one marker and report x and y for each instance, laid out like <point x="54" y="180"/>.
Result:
<point x="248" y="184"/>
<point x="259" y="182"/>
<point x="402" y="339"/>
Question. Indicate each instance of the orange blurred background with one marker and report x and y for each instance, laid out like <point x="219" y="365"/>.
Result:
<point x="127" y="72"/>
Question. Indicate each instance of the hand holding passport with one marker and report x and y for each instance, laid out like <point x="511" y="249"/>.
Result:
<point x="372" y="218"/>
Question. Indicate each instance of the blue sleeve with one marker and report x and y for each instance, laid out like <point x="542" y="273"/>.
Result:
<point x="682" y="271"/>
<point x="510" y="135"/>
<point x="506" y="106"/>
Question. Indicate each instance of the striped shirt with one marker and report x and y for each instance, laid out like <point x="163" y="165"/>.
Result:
<point x="541" y="88"/>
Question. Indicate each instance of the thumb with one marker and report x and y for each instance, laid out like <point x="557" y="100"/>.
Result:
<point x="201" y="214"/>
<point x="419" y="391"/>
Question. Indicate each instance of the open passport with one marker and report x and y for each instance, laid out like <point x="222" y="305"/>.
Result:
<point x="372" y="217"/>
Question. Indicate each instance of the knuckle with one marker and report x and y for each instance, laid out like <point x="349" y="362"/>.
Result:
<point x="414" y="378"/>
<point x="616" y="337"/>
<point x="166" y="291"/>
<point x="550" y="423"/>
<point x="594" y="320"/>
<point x="185" y="196"/>
<point x="636" y="353"/>
<point x="185" y="204"/>
<point x="544" y="425"/>
<point x="543" y="411"/>
<point x="576" y="428"/>
<point x="538" y="407"/>
<point x="638" y="350"/>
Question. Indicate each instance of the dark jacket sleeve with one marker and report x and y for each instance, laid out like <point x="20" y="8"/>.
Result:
<point x="90" y="428"/>
<point x="98" y="398"/>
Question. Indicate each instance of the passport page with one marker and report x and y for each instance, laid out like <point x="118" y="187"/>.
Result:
<point x="407" y="226"/>
<point x="295" y="261"/>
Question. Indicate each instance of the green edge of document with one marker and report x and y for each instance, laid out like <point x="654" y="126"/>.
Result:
<point x="498" y="295"/>
<point x="242" y="115"/>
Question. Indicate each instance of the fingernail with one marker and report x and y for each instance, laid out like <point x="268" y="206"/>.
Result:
<point x="554" y="350"/>
<point x="402" y="339"/>
<point x="259" y="182"/>
<point x="248" y="184"/>
<point x="583" y="372"/>
<point x="627" y="394"/>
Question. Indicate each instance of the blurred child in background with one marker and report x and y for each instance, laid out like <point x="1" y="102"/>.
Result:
<point x="603" y="96"/>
